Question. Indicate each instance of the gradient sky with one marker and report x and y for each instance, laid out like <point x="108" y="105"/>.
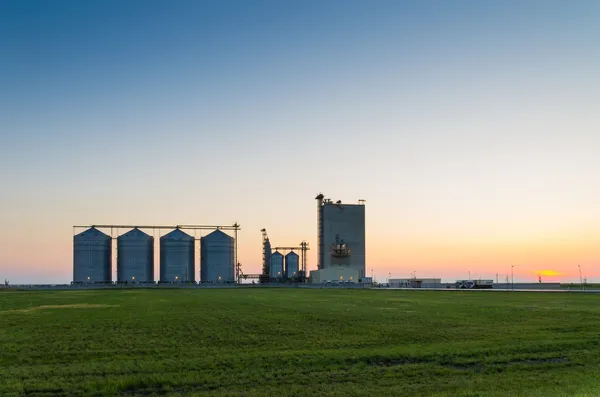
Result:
<point x="472" y="128"/>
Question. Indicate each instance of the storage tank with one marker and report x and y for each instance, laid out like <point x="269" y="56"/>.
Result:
<point x="291" y="265"/>
<point x="276" y="268"/>
<point x="92" y="257"/>
<point x="216" y="258"/>
<point x="177" y="257"/>
<point x="135" y="257"/>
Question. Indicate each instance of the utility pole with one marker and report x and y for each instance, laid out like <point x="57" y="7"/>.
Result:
<point x="235" y="254"/>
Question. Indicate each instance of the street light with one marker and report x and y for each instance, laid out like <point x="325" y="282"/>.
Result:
<point x="512" y="277"/>
<point x="580" y="278"/>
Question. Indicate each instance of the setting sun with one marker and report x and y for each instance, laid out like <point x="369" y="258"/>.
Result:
<point x="550" y="273"/>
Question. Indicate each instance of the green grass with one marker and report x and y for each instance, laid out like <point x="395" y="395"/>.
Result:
<point x="257" y="342"/>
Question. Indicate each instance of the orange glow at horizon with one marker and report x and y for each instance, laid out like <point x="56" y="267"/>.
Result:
<point x="552" y="257"/>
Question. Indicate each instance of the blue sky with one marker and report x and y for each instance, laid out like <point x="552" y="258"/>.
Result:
<point x="465" y="124"/>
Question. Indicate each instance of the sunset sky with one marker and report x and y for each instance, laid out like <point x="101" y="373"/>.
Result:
<point x="471" y="128"/>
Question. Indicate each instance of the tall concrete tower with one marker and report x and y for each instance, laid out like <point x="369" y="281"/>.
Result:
<point x="341" y="235"/>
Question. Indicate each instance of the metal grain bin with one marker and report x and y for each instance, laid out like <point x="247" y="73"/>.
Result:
<point x="92" y="257"/>
<point x="177" y="257"/>
<point x="216" y="258"/>
<point x="276" y="269"/>
<point x="291" y="265"/>
<point x="135" y="257"/>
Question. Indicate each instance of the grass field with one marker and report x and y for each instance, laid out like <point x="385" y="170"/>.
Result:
<point x="256" y="342"/>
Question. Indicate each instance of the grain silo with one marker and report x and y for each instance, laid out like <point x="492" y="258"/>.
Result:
<point x="216" y="258"/>
<point x="177" y="257"/>
<point x="276" y="268"/>
<point x="135" y="257"/>
<point x="92" y="257"/>
<point x="291" y="265"/>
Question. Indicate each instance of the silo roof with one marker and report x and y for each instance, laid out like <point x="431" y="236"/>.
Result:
<point x="177" y="234"/>
<point x="135" y="234"/>
<point x="218" y="234"/>
<point x="93" y="233"/>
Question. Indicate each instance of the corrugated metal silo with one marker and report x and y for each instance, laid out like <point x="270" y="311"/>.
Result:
<point x="216" y="258"/>
<point x="135" y="257"/>
<point x="177" y="257"/>
<point x="92" y="257"/>
<point x="276" y="268"/>
<point x="291" y="265"/>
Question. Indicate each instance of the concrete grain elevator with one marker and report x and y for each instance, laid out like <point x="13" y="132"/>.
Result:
<point x="341" y="235"/>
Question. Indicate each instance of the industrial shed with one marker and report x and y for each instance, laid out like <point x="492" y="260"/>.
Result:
<point x="335" y="275"/>
<point x="415" y="282"/>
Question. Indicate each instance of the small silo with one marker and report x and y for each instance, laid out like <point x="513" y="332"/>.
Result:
<point x="216" y="258"/>
<point x="177" y="257"/>
<point x="276" y="268"/>
<point x="92" y="257"/>
<point x="135" y="257"/>
<point x="291" y="265"/>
